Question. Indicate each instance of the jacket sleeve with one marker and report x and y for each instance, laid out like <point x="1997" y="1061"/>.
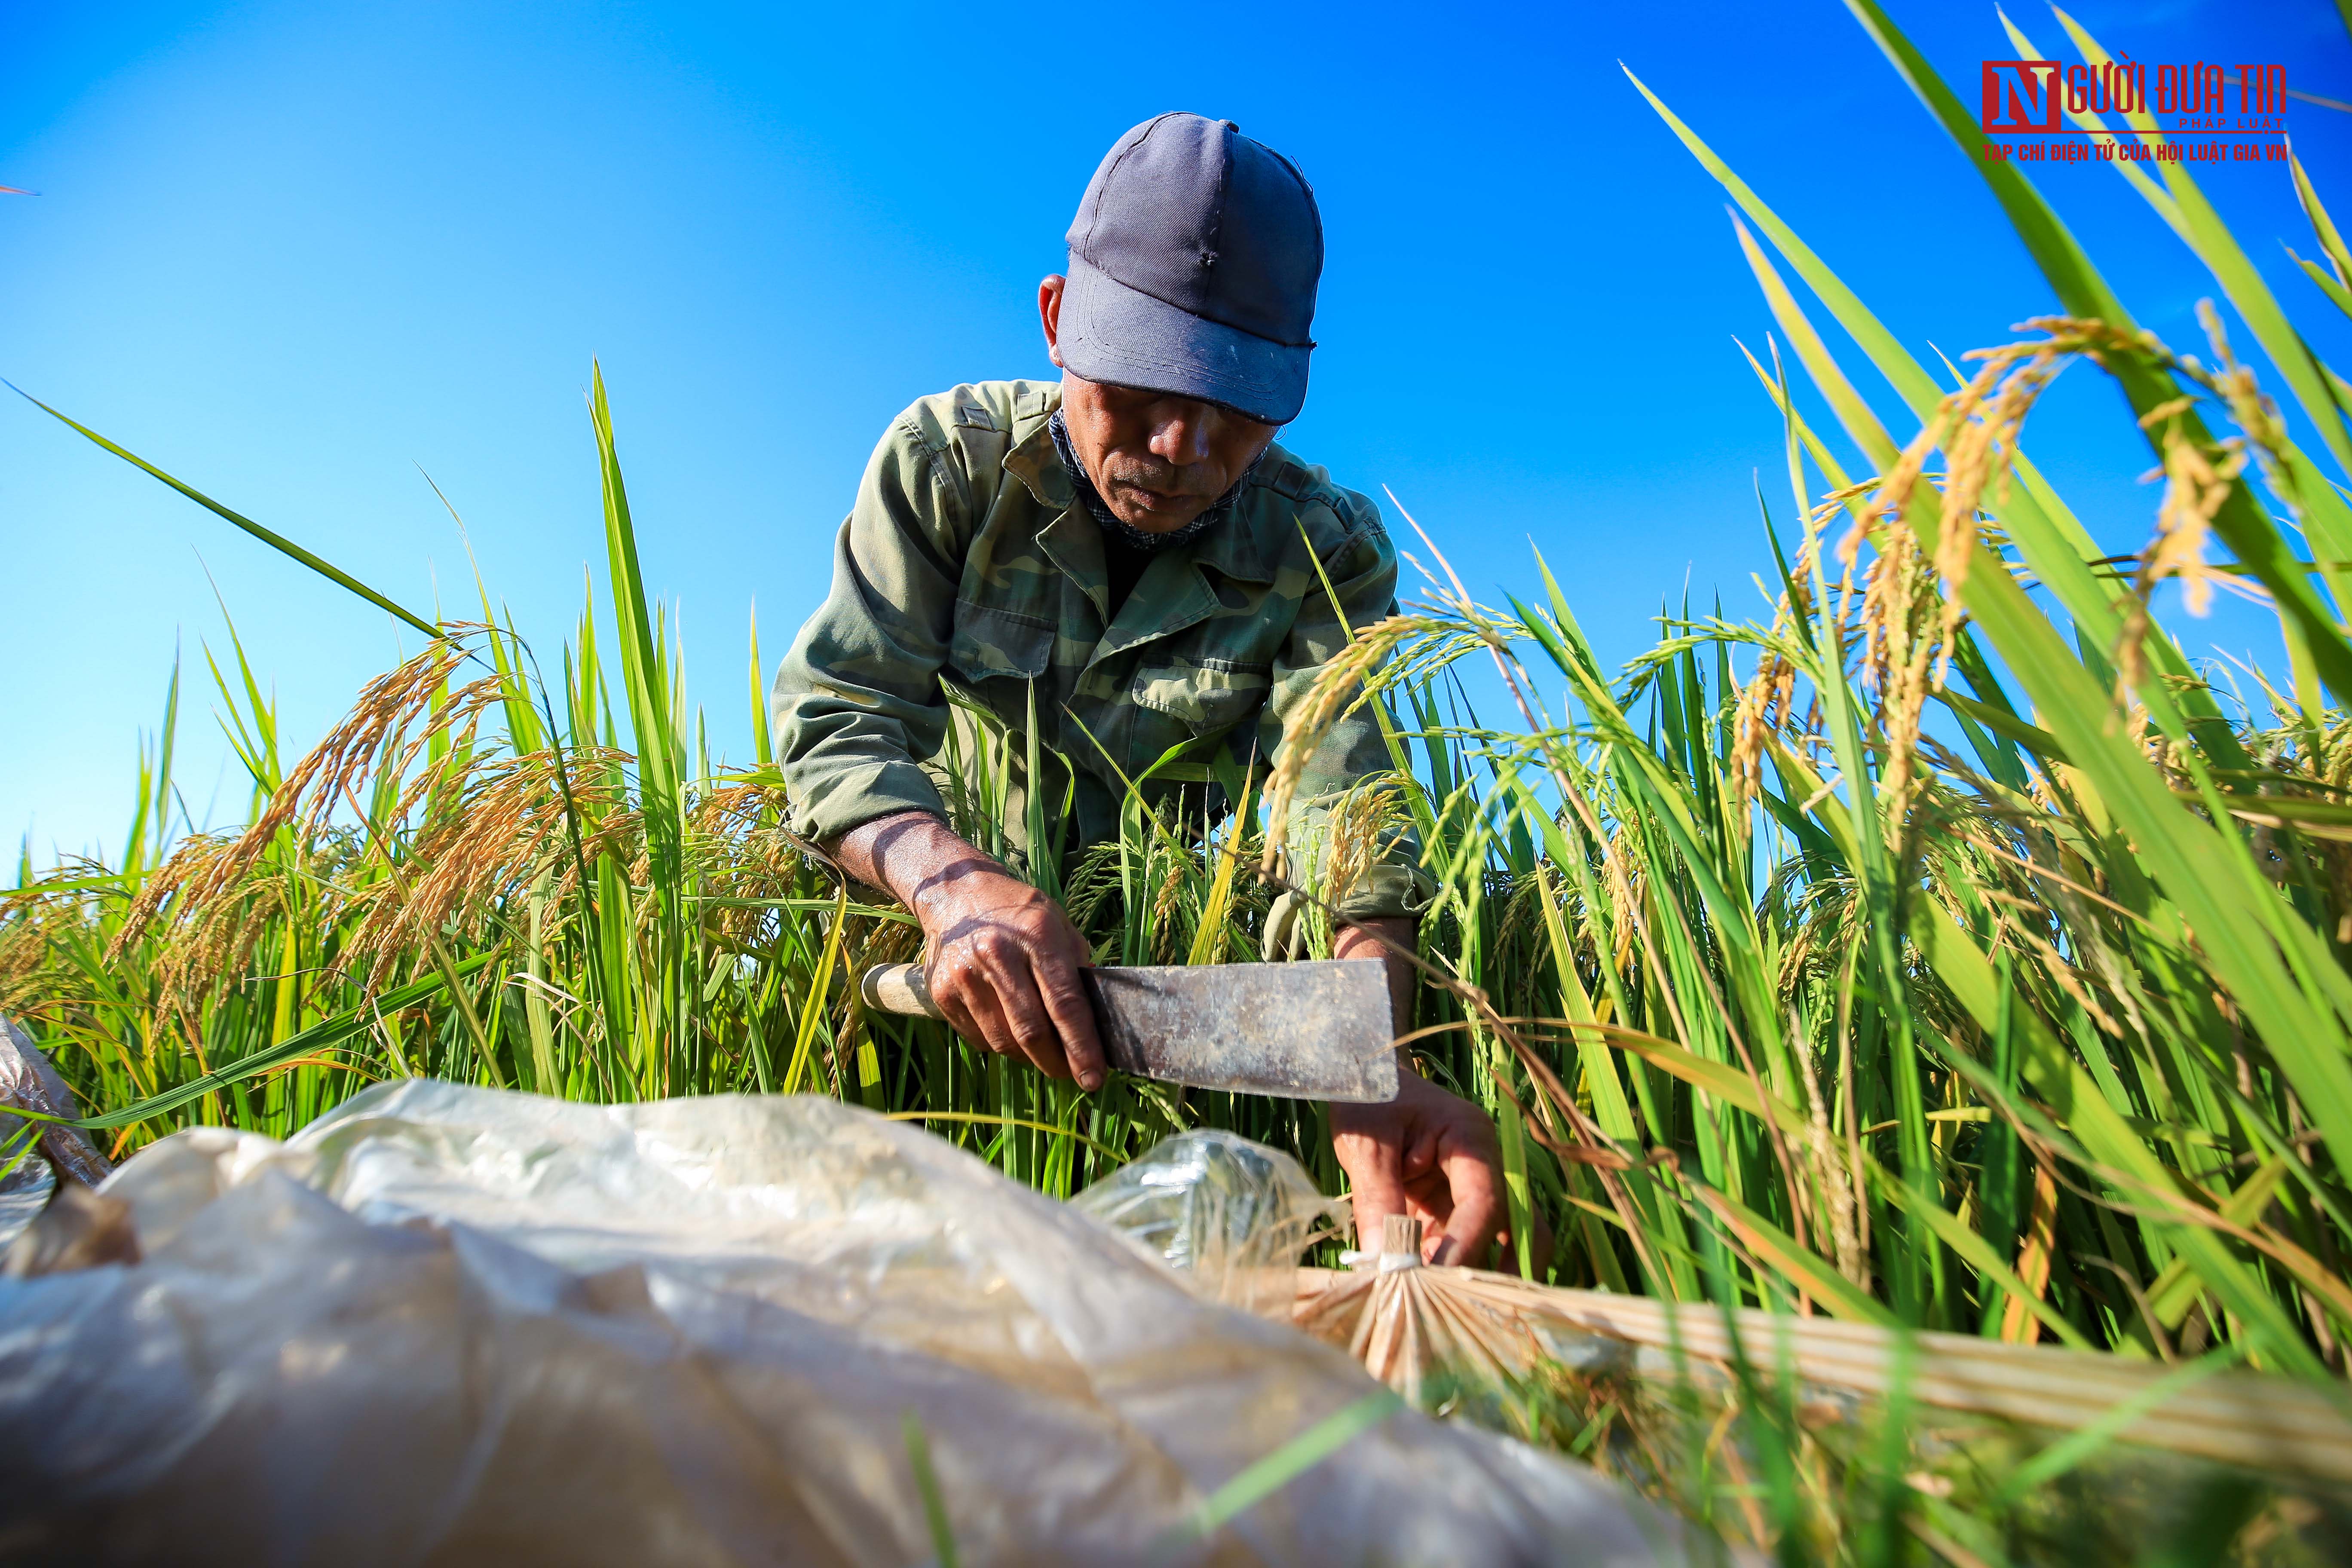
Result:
<point x="1382" y="877"/>
<point x="858" y="704"/>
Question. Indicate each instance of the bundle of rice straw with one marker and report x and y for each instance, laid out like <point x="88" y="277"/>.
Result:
<point x="1406" y="1320"/>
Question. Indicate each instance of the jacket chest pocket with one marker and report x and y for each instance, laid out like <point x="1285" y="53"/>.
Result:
<point x="1205" y="697"/>
<point x="996" y="645"/>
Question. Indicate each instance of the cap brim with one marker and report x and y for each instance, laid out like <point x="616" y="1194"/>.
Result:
<point x="1115" y="333"/>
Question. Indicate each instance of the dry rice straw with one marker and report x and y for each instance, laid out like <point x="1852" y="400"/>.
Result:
<point x="1410" y="1321"/>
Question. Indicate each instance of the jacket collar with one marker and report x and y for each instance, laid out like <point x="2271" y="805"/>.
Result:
<point x="1032" y="459"/>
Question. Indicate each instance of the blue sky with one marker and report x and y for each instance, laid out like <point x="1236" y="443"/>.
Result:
<point x="298" y="253"/>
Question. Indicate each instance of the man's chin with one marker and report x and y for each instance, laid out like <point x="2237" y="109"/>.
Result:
<point x="1166" y="519"/>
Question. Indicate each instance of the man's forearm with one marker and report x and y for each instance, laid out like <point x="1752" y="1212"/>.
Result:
<point x="909" y="855"/>
<point x="1363" y="941"/>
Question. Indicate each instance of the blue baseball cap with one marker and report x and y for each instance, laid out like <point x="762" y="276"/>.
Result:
<point x="1194" y="261"/>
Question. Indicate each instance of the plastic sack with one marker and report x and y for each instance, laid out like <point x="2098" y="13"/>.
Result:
<point x="28" y="1174"/>
<point x="451" y="1325"/>
<point x="1229" y="1215"/>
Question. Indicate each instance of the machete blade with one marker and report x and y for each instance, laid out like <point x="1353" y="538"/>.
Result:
<point x="1315" y="1030"/>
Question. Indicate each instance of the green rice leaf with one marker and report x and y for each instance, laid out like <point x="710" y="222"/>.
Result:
<point x="276" y="540"/>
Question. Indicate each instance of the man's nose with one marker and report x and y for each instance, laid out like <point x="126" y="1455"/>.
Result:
<point x="1181" y="430"/>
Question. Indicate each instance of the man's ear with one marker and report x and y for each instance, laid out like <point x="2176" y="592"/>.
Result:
<point x="1049" y="313"/>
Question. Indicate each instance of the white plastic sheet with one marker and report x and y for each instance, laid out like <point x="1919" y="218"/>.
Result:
<point x="446" y="1325"/>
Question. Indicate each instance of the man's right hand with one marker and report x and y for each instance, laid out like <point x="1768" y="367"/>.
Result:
<point x="1000" y="958"/>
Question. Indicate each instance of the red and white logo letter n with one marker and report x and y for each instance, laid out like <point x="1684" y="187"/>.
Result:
<point x="2020" y="95"/>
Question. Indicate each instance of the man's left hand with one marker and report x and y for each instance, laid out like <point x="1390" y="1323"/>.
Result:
<point x="1429" y="1154"/>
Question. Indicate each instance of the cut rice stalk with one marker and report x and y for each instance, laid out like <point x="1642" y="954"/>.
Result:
<point x="1408" y="1321"/>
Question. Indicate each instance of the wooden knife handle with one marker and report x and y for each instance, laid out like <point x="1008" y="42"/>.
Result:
<point x="899" y="988"/>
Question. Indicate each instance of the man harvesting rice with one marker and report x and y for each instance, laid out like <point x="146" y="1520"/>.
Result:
<point x="1129" y="563"/>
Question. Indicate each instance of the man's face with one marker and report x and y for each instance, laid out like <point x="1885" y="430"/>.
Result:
<point x="1158" y="461"/>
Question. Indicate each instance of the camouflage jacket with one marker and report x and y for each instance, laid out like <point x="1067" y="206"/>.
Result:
<point x="969" y="560"/>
